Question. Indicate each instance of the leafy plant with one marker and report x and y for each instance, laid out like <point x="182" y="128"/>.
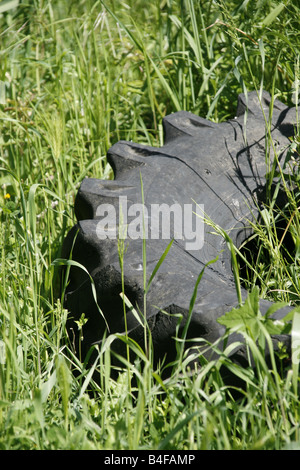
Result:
<point x="248" y="320"/>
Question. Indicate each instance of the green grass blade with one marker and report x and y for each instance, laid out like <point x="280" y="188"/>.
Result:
<point x="159" y="263"/>
<point x="69" y="263"/>
<point x="273" y="14"/>
<point x="296" y="350"/>
<point x="182" y="424"/>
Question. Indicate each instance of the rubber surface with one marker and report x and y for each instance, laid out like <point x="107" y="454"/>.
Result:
<point x="221" y="166"/>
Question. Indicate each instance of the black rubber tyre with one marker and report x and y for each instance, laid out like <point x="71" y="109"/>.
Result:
<point x="211" y="164"/>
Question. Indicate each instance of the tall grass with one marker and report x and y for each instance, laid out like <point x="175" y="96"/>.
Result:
<point x="75" y="77"/>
